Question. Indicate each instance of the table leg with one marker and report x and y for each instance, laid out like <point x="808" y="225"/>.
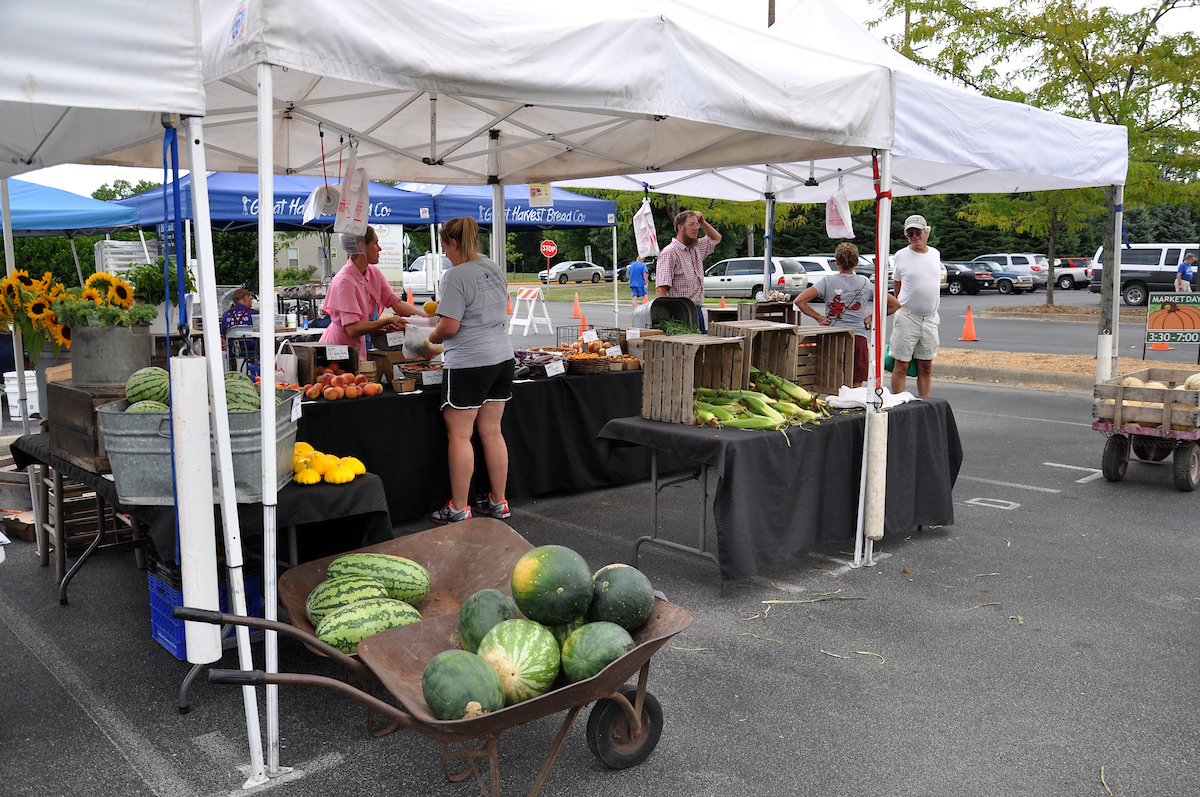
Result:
<point x="43" y="504"/>
<point x="100" y="531"/>
<point x="701" y="549"/>
<point x="60" y="543"/>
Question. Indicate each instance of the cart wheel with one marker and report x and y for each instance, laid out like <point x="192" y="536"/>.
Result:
<point x="1186" y="467"/>
<point x="608" y="731"/>
<point x="1116" y="458"/>
<point x="1151" y="452"/>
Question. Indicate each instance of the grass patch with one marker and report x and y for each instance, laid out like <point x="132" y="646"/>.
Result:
<point x="1062" y="309"/>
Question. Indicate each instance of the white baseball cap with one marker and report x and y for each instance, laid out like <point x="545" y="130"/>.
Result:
<point x="915" y="222"/>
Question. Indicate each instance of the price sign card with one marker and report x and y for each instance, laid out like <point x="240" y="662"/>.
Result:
<point x="630" y="334"/>
<point x="431" y="377"/>
<point x="555" y="368"/>
<point x="589" y="336"/>
<point x="337" y="353"/>
<point x="296" y="408"/>
<point x="395" y="338"/>
<point x="612" y="351"/>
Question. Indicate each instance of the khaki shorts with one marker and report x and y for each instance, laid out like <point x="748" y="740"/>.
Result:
<point x="914" y="336"/>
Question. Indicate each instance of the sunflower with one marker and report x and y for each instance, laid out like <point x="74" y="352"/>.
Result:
<point x="101" y="282"/>
<point x="38" y="308"/>
<point x="61" y="335"/>
<point x="8" y="287"/>
<point x="22" y="277"/>
<point x="57" y="291"/>
<point x="91" y="295"/>
<point x="121" y="294"/>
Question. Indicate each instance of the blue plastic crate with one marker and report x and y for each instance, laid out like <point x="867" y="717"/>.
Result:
<point x="164" y="597"/>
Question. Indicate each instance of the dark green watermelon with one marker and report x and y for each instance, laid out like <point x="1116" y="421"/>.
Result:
<point x="480" y="612"/>
<point x="561" y="632"/>
<point x="552" y="585"/>
<point x="458" y="685"/>
<point x="592" y="648"/>
<point x="623" y="595"/>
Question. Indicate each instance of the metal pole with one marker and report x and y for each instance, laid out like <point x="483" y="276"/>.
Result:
<point x="1118" y="225"/>
<point x="616" y="280"/>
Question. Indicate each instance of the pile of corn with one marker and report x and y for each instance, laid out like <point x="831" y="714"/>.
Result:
<point x="775" y="404"/>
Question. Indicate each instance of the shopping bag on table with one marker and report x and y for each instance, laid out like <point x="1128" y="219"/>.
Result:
<point x="644" y="232"/>
<point x="889" y="362"/>
<point x="353" y="200"/>
<point x="285" y="365"/>
<point x="837" y="214"/>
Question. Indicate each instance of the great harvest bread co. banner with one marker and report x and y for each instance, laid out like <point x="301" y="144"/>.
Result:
<point x="1173" y="318"/>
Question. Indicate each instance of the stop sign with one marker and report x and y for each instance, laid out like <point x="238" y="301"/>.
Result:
<point x="549" y="249"/>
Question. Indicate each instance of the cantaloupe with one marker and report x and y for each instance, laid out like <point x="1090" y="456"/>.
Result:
<point x="1132" y="381"/>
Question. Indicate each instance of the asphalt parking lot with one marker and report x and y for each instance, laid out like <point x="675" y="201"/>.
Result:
<point x="1043" y="644"/>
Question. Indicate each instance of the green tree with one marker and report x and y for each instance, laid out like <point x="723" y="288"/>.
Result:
<point x="121" y="189"/>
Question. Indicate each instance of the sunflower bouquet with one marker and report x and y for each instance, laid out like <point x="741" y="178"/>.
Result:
<point x="105" y="300"/>
<point x="27" y="303"/>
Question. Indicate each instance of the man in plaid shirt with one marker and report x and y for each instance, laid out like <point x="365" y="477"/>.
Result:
<point x="680" y="270"/>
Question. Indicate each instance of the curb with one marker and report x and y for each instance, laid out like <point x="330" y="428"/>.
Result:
<point x="1077" y="382"/>
<point x="1052" y="317"/>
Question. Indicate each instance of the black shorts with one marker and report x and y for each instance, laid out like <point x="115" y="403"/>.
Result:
<point x="470" y="388"/>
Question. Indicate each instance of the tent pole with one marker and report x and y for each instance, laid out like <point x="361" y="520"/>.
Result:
<point x="231" y="529"/>
<point x="75" y="254"/>
<point x="266" y="365"/>
<point x="768" y="228"/>
<point x="145" y="249"/>
<point x="19" y="362"/>
<point x="616" y="281"/>
<point x="1118" y="226"/>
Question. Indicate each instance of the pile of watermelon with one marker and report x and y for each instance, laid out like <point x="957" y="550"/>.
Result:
<point x="363" y="594"/>
<point x="149" y="390"/>
<point x="560" y="619"/>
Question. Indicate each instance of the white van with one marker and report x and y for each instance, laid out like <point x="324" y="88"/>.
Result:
<point x="424" y="284"/>
<point x="1145" y="268"/>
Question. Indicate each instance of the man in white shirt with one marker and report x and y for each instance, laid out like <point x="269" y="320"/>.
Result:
<point x="917" y="278"/>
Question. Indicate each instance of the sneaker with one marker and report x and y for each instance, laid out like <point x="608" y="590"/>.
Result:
<point x="448" y="514"/>
<point x="496" y="509"/>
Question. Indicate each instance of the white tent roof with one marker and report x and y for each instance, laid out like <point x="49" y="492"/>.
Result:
<point x="947" y="139"/>
<point x="79" y="78"/>
<point x="574" y="91"/>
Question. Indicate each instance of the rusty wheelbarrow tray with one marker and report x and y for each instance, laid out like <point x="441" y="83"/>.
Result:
<point x="623" y="726"/>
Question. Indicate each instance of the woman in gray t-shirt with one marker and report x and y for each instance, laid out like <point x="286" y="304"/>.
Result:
<point x="477" y="377"/>
<point x="849" y="303"/>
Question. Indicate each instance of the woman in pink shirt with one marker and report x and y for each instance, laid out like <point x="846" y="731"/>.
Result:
<point x="357" y="292"/>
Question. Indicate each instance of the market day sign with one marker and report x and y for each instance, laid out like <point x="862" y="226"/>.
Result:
<point x="1173" y="318"/>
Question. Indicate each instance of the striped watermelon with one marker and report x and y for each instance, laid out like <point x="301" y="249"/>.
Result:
<point x="623" y="595"/>
<point x="480" y="612"/>
<point x="342" y="591"/>
<point x="592" y="648"/>
<point x="525" y="656"/>
<point x="231" y="376"/>
<point x="148" y="384"/>
<point x="404" y="579"/>
<point x="561" y="632"/>
<point x="241" y="396"/>
<point x="344" y="628"/>
<point x="148" y="406"/>
<point x="460" y="685"/>
<point x="552" y="585"/>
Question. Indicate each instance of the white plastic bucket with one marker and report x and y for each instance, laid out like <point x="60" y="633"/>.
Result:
<point x="12" y="391"/>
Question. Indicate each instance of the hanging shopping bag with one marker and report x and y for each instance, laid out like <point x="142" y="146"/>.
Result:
<point x="644" y="232"/>
<point x="285" y="365"/>
<point x="837" y="214"/>
<point x="353" y="201"/>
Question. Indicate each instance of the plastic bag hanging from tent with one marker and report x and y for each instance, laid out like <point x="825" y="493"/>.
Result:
<point x="354" y="202"/>
<point x="643" y="230"/>
<point x="837" y="214"/>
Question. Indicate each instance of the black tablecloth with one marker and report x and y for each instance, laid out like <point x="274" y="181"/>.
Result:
<point x="551" y="427"/>
<point x="777" y="499"/>
<point x="350" y="513"/>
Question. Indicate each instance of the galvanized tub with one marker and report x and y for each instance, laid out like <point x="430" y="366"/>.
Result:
<point x="139" y="450"/>
<point x="108" y="355"/>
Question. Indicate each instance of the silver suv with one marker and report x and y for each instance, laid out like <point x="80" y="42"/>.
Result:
<point x="1035" y="265"/>
<point x="743" y="277"/>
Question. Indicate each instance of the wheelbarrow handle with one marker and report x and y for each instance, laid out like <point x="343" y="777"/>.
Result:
<point x="237" y="677"/>
<point x="196" y="615"/>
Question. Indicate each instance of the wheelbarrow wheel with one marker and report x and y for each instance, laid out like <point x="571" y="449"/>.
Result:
<point x="1116" y="458"/>
<point x="1187" y="466"/>
<point x="608" y="735"/>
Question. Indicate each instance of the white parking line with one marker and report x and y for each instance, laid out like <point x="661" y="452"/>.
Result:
<point x="1008" y="484"/>
<point x="1095" y="473"/>
<point x="994" y="503"/>
<point x="1020" y="418"/>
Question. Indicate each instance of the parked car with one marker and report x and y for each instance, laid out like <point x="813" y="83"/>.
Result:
<point x="1035" y="265"/>
<point x="415" y="277"/>
<point x="1008" y="281"/>
<point x="622" y="274"/>
<point x="1145" y="268"/>
<point x="817" y="267"/>
<point x="572" y="271"/>
<point x="967" y="277"/>
<point x="1071" y="273"/>
<point x="743" y="277"/>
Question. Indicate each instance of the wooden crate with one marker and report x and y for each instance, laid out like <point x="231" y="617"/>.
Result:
<point x="635" y="347"/>
<point x="768" y="346"/>
<point x="1149" y="407"/>
<point x="779" y="312"/>
<point x="385" y="362"/>
<point x="73" y="429"/>
<point x="826" y="359"/>
<point x="716" y="315"/>
<point x="678" y="364"/>
<point x="309" y="355"/>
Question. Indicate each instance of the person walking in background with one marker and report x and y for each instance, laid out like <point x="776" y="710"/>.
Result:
<point x="478" y="373"/>
<point x="917" y="278"/>
<point x="637" y="281"/>
<point x="1183" y="278"/>
<point x="680" y="269"/>
<point x="849" y="301"/>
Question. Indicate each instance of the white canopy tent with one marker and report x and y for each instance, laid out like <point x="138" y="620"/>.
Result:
<point x="82" y="78"/>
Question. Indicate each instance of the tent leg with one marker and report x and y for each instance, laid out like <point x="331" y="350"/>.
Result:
<point x="75" y="254"/>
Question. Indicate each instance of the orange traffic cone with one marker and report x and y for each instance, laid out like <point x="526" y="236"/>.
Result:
<point x="969" y="326"/>
<point x="510" y="304"/>
<point x="722" y="302"/>
<point x="409" y="299"/>
<point x="646" y="299"/>
<point x="575" y="313"/>
<point x="1162" y="347"/>
<point x="583" y="323"/>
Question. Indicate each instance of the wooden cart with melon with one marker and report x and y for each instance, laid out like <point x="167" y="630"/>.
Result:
<point x="1150" y="415"/>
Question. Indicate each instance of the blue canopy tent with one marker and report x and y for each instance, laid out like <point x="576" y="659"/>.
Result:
<point x="41" y="210"/>
<point x="569" y="210"/>
<point x="233" y="202"/>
